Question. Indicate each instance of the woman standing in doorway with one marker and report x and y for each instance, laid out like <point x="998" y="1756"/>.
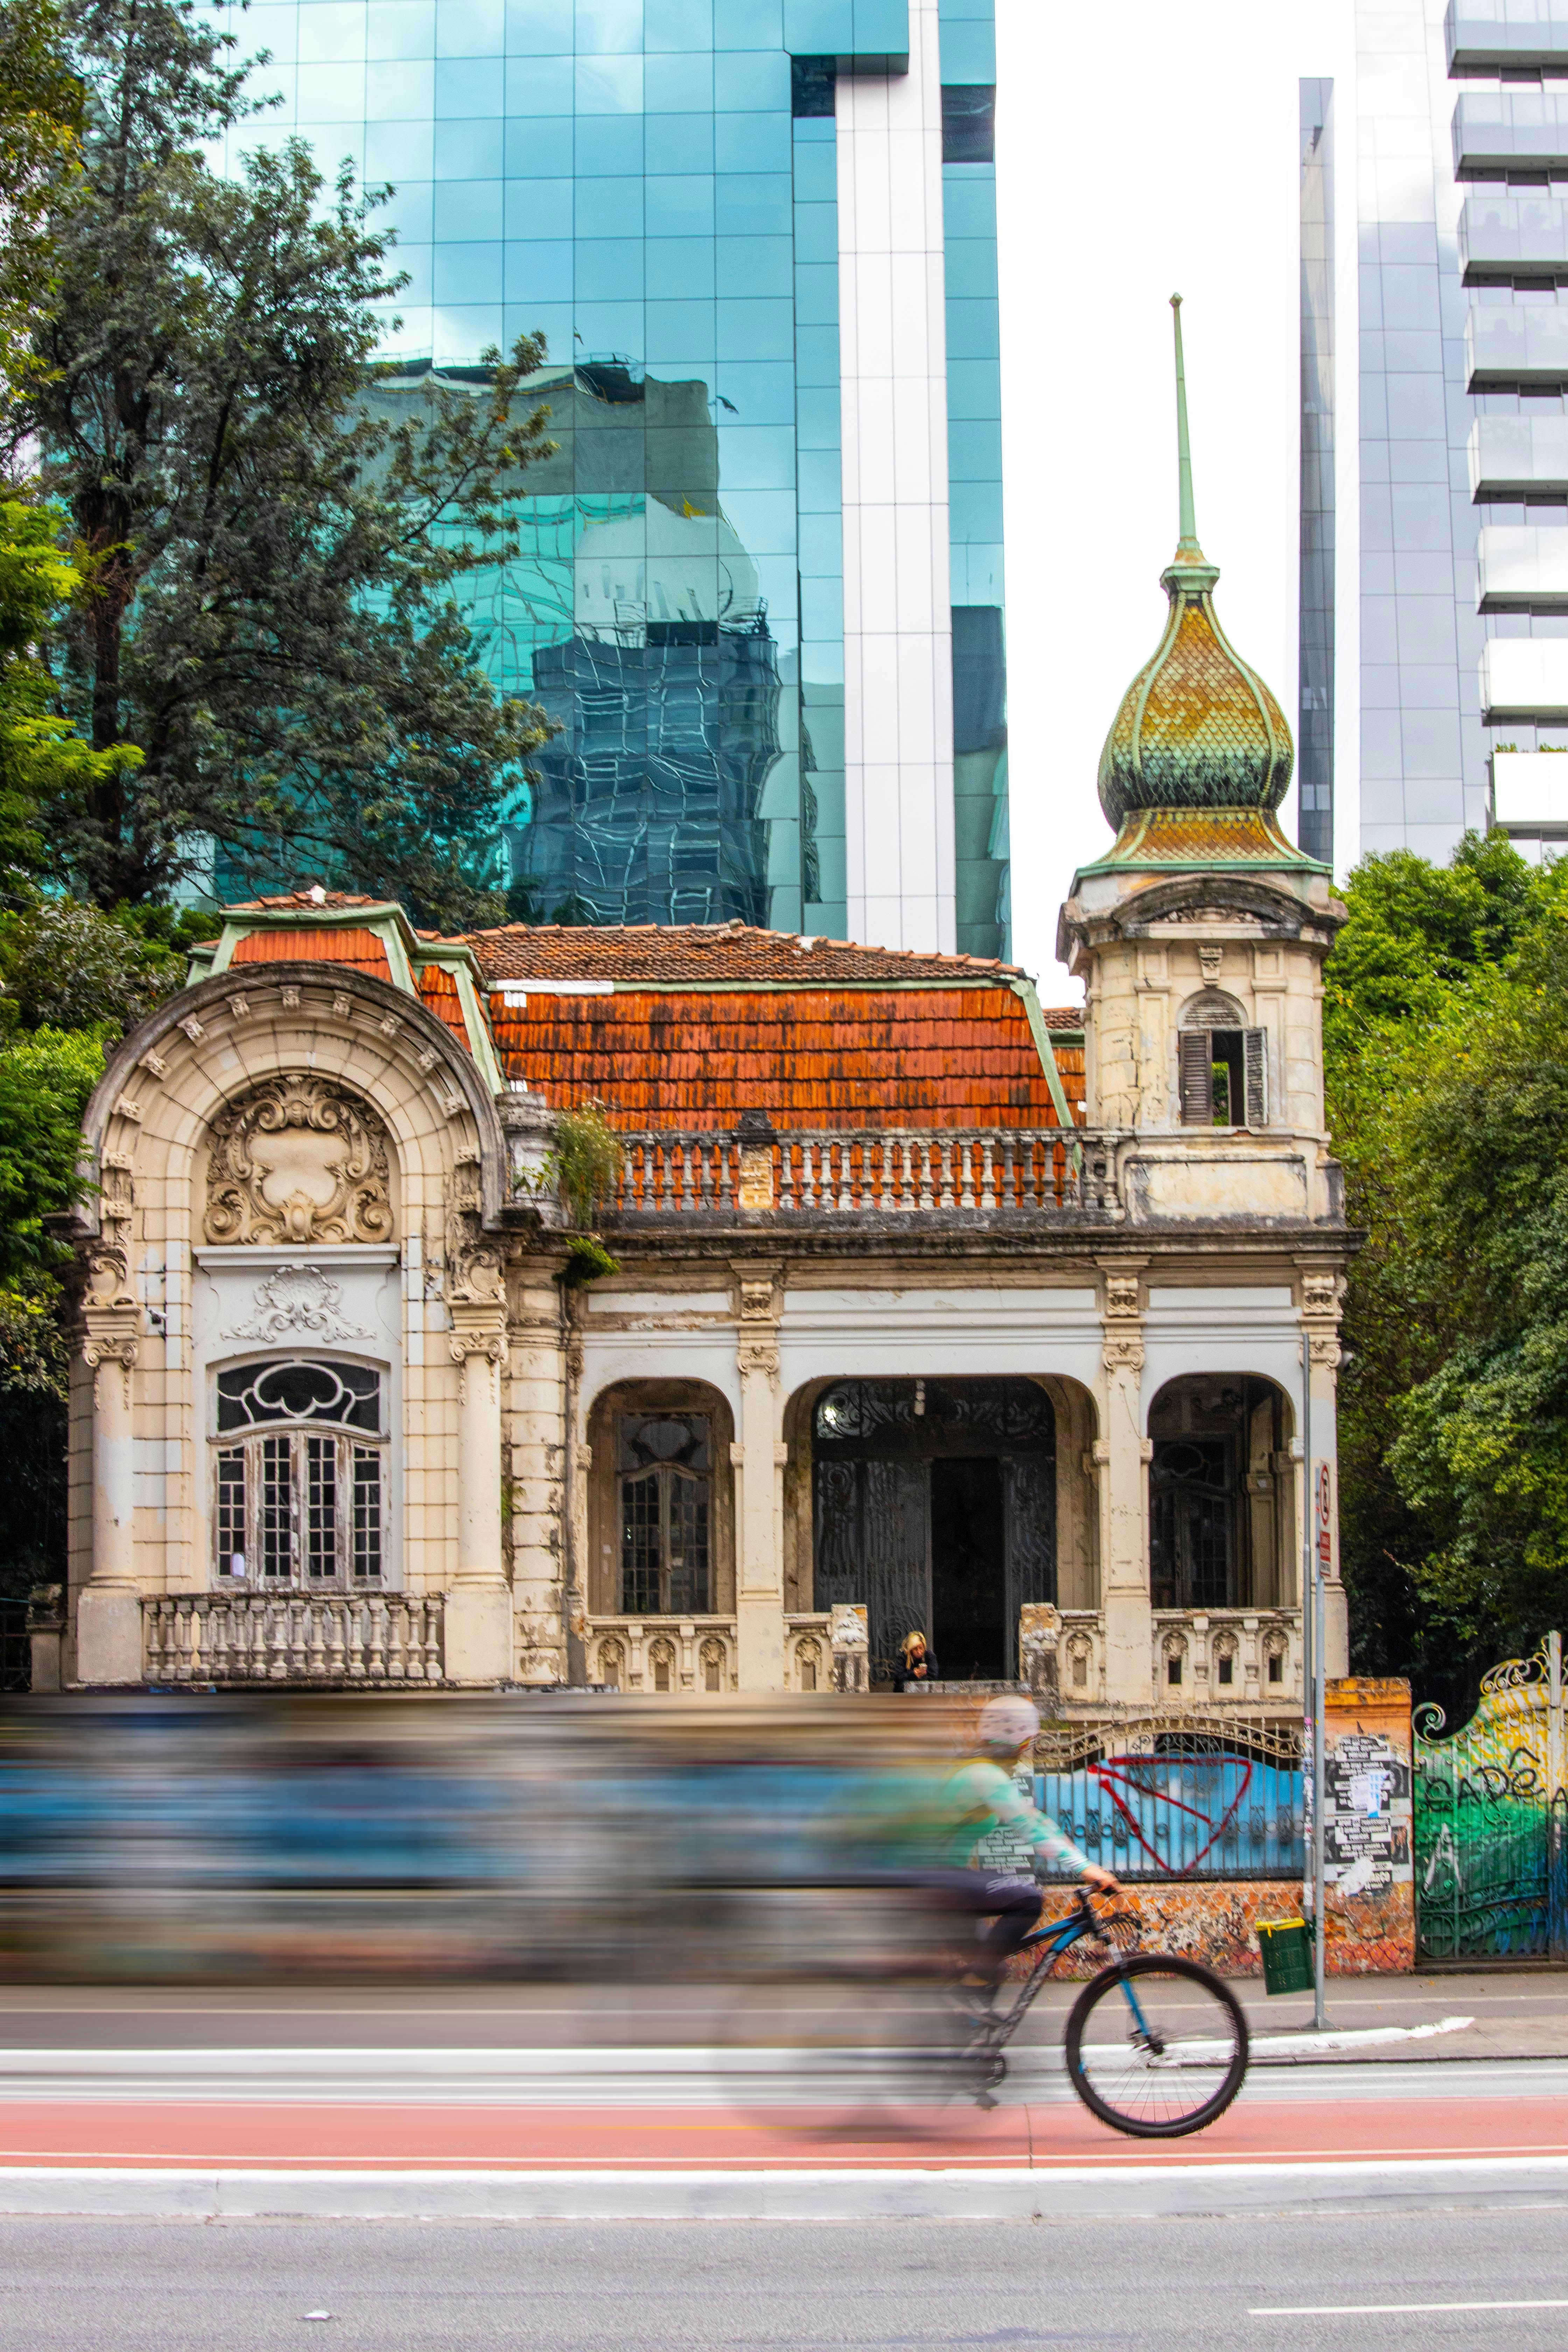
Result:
<point x="916" y="1667"/>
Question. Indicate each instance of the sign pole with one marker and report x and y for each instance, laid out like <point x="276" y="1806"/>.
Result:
<point x="1315" y="1694"/>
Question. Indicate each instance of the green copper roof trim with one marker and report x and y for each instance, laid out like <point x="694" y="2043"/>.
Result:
<point x="1278" y="855"/>
<point x="458" y="958"/>
<point x="1025" y="992"/>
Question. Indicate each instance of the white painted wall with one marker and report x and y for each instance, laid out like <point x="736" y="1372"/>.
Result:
<point x="897" y="630"/>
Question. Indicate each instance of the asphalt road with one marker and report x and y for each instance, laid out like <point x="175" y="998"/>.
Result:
<point x="1195" y="2285"/>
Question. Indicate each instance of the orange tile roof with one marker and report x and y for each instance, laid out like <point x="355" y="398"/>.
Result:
<point x="666" y="953"/>
<point x="438" y="994"/>
<point x="809" y="1057"/>
<point x="338" y="944"/>
<point x="290" y="899"/>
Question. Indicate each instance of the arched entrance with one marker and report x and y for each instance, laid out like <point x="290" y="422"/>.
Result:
<point x="934" y="1505"/>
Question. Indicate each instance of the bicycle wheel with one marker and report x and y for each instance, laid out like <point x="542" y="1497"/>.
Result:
<point x="1156" y="2047"/>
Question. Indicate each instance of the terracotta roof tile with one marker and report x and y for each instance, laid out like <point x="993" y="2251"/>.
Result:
<point x="360" y="951"/>
<point x="438" y="994"/>
<point x="807" y="1056"/>
<point x="669" y="954"/>
<point x="303" y="899"/>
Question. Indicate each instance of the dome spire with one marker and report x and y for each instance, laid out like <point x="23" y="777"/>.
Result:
<point x="1188" y="543"/>
<point x="1198" y="729"/>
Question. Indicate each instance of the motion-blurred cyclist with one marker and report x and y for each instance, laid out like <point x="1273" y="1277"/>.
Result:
<point x="982" y="1796"/>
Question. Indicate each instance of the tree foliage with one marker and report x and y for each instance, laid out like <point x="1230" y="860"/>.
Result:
<point x="1447" y="1045"/>
<point x="40" y="118"/>
<point x="272" y="530"/>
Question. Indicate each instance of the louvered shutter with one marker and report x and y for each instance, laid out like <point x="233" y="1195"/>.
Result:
<point x="1255" y="1046"/>
<point x="1198" y="1077"/>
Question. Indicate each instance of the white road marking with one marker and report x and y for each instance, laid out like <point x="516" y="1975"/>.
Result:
<point x="1352" y="2310"/>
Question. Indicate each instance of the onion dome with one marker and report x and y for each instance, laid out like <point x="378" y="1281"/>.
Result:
<point x="1197" y="728"/>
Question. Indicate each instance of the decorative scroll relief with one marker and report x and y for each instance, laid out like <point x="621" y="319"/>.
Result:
<point x="298" y="1302"/>
<point x="298" y="1159"/>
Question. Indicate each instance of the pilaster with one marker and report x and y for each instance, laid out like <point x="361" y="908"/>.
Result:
<point x="759" y="1457"/>
<point x="536" y="1453"/>
<point x="478" y="1632"/>
<point x="1123" y="1452"/>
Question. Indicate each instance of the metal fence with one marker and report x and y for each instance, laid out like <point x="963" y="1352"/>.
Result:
<point x="1167" y="1799"/>
<point x="1490" y="1819"/>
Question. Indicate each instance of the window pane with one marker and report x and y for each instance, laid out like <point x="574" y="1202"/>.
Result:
<point x="639" y="1545"/>
<point x="276" y="1517"/>
<point x="688" y="1546"/>
<point x="231" y="1512"/>
<point x="320" y="1506"/>
<point x="366" y="1546"/>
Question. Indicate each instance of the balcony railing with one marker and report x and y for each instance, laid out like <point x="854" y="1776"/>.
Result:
<point x="870" y="1172"/>
<point x="391" y="1638"/>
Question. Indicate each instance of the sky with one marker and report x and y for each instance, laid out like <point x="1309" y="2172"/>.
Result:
<point x="1136" y="160"/>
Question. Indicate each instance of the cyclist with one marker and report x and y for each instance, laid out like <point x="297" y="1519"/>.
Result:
<point x="982" y="1796"/>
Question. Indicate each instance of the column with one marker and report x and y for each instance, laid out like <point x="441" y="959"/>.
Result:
<point x="478" y="1632"/>
<point x="109" y="1607"/>
<point x="1322" y="1290"/>
<point x="536" y="1445"/>
<point x="1123" y="1452"/>
<point x="759" y="1581"/>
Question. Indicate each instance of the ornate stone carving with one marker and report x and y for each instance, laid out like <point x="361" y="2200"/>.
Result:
<point x="1321" y="1293"/>
<point x="124" y="1108"/>
<point x="490" y="1344"/>
<point x="1039" y="1636"/>
<point x="1209" y="961"/>
<point x="1123" y="1355"/>
<point x="475" y="1272"/>
<point x="757" y="1356"/>
<point x="109" y="1348"/>
<point x="296" y="1159"/>
<point x="298" y="1302"/>
<point x="1121" y="1294"/>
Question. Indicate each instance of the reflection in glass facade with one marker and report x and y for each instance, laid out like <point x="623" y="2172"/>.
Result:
<point x="652" y="186"/>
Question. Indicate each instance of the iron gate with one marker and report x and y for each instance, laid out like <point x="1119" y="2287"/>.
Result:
<point x="1491" y="1819"/>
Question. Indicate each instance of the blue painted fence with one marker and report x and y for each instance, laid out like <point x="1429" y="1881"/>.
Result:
<point x="1175" y="1816"/>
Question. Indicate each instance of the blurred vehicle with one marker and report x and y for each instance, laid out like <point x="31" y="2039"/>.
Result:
<point x="538" y="1835"/>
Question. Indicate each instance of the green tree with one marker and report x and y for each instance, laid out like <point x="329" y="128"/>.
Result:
<point x="273" y="530"/>
<point x="1444" y="1012"/>
<point x="40" y="117"/>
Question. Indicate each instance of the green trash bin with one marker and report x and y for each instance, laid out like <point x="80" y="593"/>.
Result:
<point x="1287" y="1948"/>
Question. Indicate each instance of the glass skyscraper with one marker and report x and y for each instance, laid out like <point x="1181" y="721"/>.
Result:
<point x="1451" y="146"/>
<point x="760" y="587"/>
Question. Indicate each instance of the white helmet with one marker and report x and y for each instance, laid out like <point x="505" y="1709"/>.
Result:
<point x="1006" y="1725"/>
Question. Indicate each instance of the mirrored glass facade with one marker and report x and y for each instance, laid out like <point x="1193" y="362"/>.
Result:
<point x="652" y="186"/>
<point x="1461" y="177"/>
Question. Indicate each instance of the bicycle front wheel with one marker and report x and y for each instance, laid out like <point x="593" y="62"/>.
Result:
<point x="1156" y="2047"/>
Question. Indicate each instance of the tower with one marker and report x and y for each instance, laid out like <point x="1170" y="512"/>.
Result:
<point x="1200" y="935"/>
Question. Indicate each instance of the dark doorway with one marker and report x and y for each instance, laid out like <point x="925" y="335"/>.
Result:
<point x="934" y="1507"/>
<point x="968" y="1583"/>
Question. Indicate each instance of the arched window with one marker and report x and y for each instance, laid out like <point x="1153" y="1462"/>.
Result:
<point x="1224" y="1064"/>
<point x="665" y="1474"/>
<point x="300" y="1474"/>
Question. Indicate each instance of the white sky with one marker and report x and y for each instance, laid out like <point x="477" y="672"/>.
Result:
<point x="1142" y="150"/>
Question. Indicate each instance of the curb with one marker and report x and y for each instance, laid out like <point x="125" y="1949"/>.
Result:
<point x="1127" y="2192"/>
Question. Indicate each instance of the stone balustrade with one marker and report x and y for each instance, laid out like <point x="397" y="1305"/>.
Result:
<point x="663" y="1654"/>
<point x="353" y="1639"/>
<point x="870" y="1172"/>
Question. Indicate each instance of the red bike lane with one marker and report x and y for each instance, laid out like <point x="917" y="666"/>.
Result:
<point x="341" y="2135"/>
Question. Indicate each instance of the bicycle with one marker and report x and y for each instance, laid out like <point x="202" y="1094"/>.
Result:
<point x="1158" y="2079"/>
<point x="891" y="2053"/>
